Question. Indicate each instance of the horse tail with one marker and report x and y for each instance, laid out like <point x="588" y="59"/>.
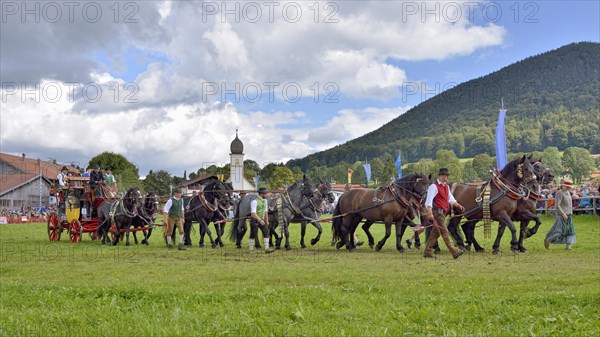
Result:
<point x="233" y="231"/>
<point x="337" y="222"/>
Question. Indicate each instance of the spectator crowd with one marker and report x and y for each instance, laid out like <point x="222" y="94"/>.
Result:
<point x="582" y="198"/>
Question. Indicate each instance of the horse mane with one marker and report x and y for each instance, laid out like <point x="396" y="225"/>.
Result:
<point x="409" y="178"/>
<point x="130" y="191"/>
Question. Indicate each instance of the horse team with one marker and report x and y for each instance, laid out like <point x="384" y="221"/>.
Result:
<point x="512" y="195"/>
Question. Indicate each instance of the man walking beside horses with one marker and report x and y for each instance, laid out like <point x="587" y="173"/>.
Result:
<point x="174" y="216"/>
<point x="438" y="203"/>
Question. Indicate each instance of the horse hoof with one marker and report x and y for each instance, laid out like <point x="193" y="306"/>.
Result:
<point x="515" y="251"/>
<point x="480" y="250"/>
<point x="352" y="250"/>
<point x="144" y="242"/>
<point x="463" y="248"/>
<point x="288" y="248"/>
<point x="313" y="242"/>
<point x="496" y="252"/>
<point x="238" y="246"/>
<point x="377" y="248"/>
<point x="522" y="250"/>
<point x="339" y="245"/>
<point x="333" y="243"/>
<point x="278" y="247"/>
<point x="147" y="243"/>
<point x="371" y="245"/>
<point x="213" y="246"/>
<point x="128" y="244"/>
<point x="221" y="244"/>
<point x="402" y="250"/>
<point x="303" y="246"/>
<point x="202" y="245"/>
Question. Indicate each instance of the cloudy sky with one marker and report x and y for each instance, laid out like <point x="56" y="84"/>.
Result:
<point x="166" y="83"/>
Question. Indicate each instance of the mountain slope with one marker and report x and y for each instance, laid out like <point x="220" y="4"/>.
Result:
<point x="553" y="99"/>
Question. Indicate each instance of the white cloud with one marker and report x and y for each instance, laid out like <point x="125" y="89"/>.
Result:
<point x="163" y="120"/>
<point x="180" y="136"/>
<point x="348" y="124"/>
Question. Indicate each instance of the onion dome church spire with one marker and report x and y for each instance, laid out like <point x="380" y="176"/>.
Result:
<point x="237" y="147"/>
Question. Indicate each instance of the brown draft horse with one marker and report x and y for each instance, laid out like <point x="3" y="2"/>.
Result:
<point x="526" y="210"/>
<point x="411" y="214"/>
<point x="527" y="207"/>
<point x="389" y="204"/>
<point x="506" y="191"/>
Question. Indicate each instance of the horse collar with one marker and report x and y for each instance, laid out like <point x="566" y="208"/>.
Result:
<point x="210" y="208"/>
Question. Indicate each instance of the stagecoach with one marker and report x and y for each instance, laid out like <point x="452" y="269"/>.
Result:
<point x="74" y="211"/>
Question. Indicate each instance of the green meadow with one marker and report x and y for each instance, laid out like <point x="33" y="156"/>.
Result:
<point x="86" y="289"/>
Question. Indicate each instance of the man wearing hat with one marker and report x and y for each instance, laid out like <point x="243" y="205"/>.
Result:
<point x="259" y="216"/>
<point x="563" y="230"/>
<point x="96" y="178"/>
<point x="110" y="181"/>
<point x="438" y="203"/>
<point x="62" y="177"/>
<point x="174" y="215"/>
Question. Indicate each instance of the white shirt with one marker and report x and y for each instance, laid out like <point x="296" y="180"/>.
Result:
<point x="432" y="191"/>
<point x="168" y="205"/>
<point x="61" y="182"/>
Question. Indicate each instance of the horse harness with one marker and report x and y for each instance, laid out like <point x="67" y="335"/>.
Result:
<point x="413" y="203"/>
<point x="203" y="203"/>
<point x="484" y="199"/>
<point x="145" y="214"/>
<point x="113" y="211"/>
<point x="284" y="199"/>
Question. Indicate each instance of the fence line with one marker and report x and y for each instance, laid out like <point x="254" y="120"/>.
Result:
<point x="586" y="205"/>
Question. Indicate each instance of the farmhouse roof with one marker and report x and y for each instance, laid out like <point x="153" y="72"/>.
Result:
<point x="19" y="170"/>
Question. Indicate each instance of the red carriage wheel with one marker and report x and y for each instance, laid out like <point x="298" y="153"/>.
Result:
<point x="75" y="230"/>
<point x="54" y="229"/>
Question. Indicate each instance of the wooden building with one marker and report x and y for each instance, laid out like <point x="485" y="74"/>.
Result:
<point x="26" y="182"/>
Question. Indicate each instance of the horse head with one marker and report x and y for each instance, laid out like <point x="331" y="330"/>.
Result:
<point x="421" y="184"/>
<point x="151" y="204"/>
<point x="519" y="170"/>
<point x="324" y="188"/>
<point x="543" y="174"/>
<point x="224" y="194"/>
<point x="133" y="199"/>
<point x="307" y="187"/>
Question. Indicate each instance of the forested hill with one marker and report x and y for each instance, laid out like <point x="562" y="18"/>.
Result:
<point x="552" y="100"/>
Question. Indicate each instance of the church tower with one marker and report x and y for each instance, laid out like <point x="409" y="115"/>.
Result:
<point x="237" y="164"/>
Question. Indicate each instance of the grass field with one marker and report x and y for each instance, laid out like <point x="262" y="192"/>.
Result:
<point x="85" y="289"/>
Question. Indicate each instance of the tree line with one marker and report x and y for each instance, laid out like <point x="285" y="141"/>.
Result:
<point x="574" y="161"/>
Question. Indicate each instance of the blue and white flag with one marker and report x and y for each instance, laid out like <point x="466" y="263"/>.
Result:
<point x="399" y="166"/>
<point x="368" y="172"/>
<point x="256" y="184"/>
<point x="501" y="141"/>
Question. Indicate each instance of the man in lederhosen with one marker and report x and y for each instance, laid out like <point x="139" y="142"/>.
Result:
<point x="259" y="217"/>
<point x="438" y="203"/>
